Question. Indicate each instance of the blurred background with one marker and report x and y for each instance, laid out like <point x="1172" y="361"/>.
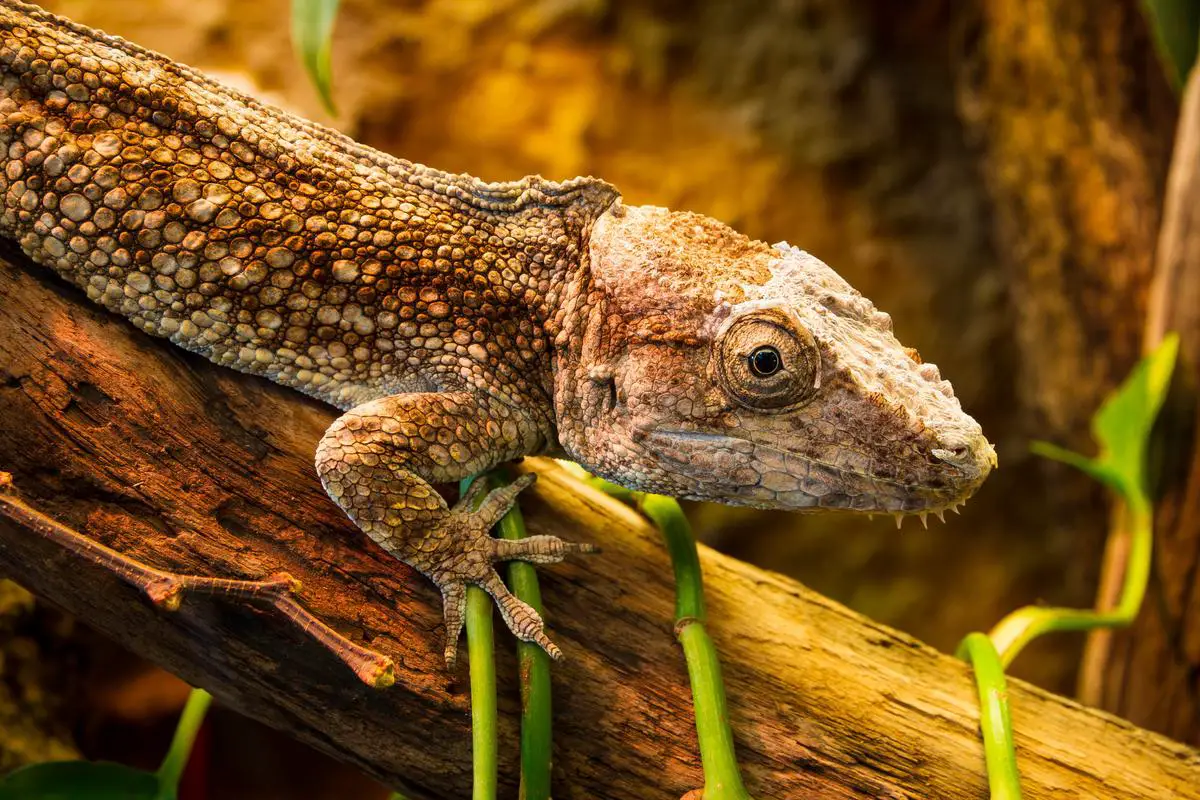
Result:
<point x="990" y="172"/>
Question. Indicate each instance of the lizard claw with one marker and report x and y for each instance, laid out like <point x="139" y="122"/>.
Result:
<point x="500" y="500"/>
<point x="467" y="503"/>
<point x="521" y="618"/>
<point x="473" y="564"/>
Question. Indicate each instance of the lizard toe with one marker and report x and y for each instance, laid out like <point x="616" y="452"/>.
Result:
<point x="500" y="500"/>
<point x="454" y="602"/>
<point x="538" y="549"/>
<point x="520" y="617"/>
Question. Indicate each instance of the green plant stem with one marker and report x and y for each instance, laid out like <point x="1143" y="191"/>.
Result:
<point x="995" y="720"/>
<point x="685" y="560"/>
<point x="990" y="655"/>
<point x="1122" y="427"/>
<point x="171" y="770"/>
<point x="722" y="778"/>
<point x="484" y="733"/>
<point x="1021" y="627"/>
<point x="481" y="653"/>
<point x="534" y="664"/>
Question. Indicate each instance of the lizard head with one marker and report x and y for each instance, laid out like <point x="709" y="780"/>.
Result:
<point x="714" y="367"/>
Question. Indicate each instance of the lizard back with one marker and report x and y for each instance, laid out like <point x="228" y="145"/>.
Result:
<point x="268" y="243"/>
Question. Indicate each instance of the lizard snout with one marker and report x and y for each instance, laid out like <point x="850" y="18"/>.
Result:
<point x="973" y="455"/>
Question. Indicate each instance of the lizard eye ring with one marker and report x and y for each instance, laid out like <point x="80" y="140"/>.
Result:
<point x="767" y="361"/>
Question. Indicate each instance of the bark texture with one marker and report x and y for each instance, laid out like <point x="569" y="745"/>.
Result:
<point x="198" y="470"/>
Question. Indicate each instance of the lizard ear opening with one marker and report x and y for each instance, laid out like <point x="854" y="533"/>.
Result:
<point x="610" y="395"/>
<point x="767" y="361"/>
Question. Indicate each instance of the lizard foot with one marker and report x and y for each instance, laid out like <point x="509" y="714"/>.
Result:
<point x="471" y="562"/>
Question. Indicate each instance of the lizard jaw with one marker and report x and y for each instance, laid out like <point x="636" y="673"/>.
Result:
<point x="737" y="471"/>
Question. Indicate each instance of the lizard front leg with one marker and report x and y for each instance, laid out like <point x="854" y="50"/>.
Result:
<point x="377" y="462"/>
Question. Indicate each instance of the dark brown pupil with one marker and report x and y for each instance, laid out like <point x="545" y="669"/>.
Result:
<point x="765" y="361"/>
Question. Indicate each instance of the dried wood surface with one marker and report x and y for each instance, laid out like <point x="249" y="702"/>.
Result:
<point x="197" y="470"/>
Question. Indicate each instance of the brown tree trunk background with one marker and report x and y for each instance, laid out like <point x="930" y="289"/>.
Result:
<point x="1075" y="120"/>
<point x="1151" y="674"/>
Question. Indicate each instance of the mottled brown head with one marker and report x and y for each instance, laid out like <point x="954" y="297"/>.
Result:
<point x="714" y="367"/>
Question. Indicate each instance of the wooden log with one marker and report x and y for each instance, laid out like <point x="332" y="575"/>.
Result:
<point x="197" y="470"/>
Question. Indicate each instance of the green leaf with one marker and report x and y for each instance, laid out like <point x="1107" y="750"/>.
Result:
<point x="1175" y="26"/>
<point x="312" y="39"/>
<point x="78" y="780"/>
<point x="1122" y="425"/>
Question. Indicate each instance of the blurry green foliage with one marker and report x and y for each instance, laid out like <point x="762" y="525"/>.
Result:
<point x="312" y="39"/>
<point x="72" y="780"/>
<point x="1122" y="425"/>
<point x="1175" y="25"/>
<point x="101" y="780"/>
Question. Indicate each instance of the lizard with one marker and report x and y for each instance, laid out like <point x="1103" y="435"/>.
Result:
<point x="458" y="324"/>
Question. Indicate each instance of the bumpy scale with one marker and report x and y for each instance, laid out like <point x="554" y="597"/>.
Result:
<point x="457" y="323"/>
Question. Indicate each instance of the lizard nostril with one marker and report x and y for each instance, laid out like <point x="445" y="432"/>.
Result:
<point x="955" y="452"/>
<point x="975" y="457"/>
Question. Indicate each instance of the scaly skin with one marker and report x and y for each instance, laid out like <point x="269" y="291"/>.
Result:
<point x="460" y="324"/>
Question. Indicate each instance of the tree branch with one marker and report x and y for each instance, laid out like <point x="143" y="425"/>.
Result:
<point x="195" y="470"/>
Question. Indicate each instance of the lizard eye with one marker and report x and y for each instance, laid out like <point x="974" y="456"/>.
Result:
<point x="764" y="361"/>
<point x="767" y="361"/>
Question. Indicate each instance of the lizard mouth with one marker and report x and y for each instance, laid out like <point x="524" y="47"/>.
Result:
<point x="738" y="471"/>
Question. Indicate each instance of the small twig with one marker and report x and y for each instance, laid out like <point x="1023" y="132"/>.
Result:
<point x="167" y="589"/>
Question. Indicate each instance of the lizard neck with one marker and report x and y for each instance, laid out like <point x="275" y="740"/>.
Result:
<point x="548" y="276"/>
<point x="533" y="261"/>
<point x="581" y="381"/>
<point x="552" y="225"/>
